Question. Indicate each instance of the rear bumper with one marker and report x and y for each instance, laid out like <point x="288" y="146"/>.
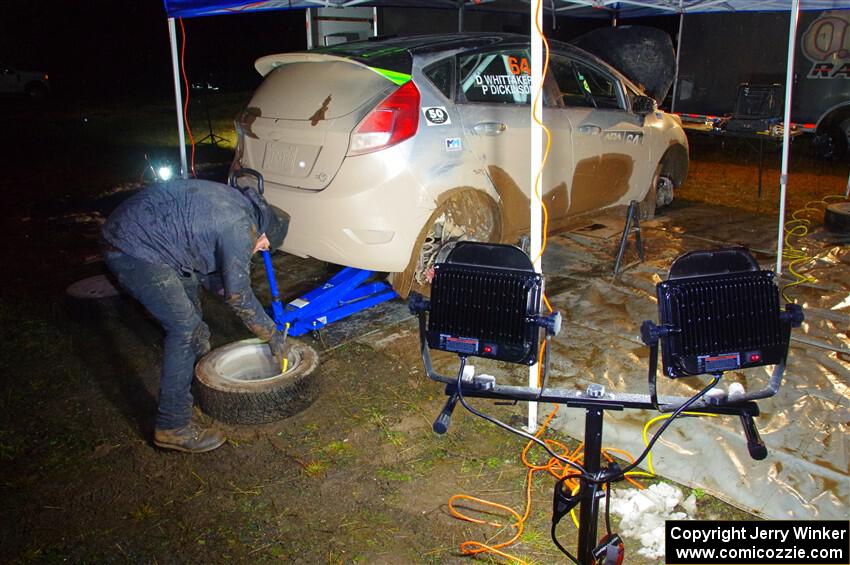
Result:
<point x="368" y="217"/>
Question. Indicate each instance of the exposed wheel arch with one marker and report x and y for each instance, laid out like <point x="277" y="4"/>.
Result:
<point x="674" y="164"/>
<point x="463" y="213"/>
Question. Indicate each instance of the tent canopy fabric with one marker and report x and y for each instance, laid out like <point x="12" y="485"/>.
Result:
<point x="578" y="8"/>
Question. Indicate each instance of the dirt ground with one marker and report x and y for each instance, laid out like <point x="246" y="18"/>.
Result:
<point x="356" y="478"/>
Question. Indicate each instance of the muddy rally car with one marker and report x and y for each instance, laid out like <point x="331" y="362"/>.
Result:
<point x="383" y="150"/>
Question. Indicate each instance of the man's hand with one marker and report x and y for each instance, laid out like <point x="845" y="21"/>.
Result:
<point x="279" y="348"/>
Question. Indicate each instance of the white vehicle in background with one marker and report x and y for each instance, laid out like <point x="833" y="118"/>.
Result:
<point x="33" y="84"/>
<point x="382" y="151"/>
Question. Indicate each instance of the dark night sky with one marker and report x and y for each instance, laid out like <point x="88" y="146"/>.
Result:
<point x="104" y="48"/>
<point x="95" y="49"/>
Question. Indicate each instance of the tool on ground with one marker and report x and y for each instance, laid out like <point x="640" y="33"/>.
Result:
<point x="718" y="312"/>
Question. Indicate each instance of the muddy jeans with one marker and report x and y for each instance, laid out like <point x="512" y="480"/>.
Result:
<point x="174" y="300"/>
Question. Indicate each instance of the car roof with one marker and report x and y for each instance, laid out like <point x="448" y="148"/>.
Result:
<point x="420" y="43"/>
<point x="396" y="53"/>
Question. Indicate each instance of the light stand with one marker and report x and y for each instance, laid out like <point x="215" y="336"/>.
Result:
<point x="211" y="137"/>
<point x="472" y="299"/>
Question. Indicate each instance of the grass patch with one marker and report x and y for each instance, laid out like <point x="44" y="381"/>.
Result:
<point x="393" y="475"/>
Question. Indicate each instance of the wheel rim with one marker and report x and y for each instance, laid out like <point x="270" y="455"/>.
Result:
<point x="252" y="362"/>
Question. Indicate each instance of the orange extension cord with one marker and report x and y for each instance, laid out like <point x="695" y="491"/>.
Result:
<point x="553" y="466"/>
<point x="186" y="101"/>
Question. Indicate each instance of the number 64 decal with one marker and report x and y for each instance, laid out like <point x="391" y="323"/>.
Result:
<point x="436" y="116"/>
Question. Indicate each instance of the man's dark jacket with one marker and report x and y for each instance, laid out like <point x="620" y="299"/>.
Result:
<point x="199" y="227"/>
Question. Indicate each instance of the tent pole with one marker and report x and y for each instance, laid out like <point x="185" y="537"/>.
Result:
<point x="308" y="22"/>
<point x="178" y="98"/>
<point x="536" y="219"/>
<point x="847" y="192"/>
<point x="678" y="54"/>
<point x="786" y="130"/>
<point x="460" y="10"/>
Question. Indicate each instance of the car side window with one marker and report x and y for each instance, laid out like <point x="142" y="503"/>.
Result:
<point x="495" y="77"/>
<point x="440" y="74"/>
<point x="567" y="79"/>
<point x="601" y="89"/>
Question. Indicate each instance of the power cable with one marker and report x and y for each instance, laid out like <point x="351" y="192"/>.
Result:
<point x="186" y="101"/>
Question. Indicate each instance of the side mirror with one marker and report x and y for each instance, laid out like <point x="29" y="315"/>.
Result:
<point x="643" y="105"/>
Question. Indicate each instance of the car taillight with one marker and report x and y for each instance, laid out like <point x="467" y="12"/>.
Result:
<point x="390" y="122"/>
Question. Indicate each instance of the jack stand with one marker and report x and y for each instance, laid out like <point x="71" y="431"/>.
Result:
<point x="346" y="293"/>
<point x="632" y="226"/>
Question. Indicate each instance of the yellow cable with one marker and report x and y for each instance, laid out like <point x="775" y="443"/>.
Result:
<point x="658" y="419"/>
<point x="795" y="228"/>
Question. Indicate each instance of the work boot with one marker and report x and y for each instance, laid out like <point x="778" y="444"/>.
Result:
<point x="191" y="438"/>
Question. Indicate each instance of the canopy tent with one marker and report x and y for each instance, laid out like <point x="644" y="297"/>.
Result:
<point x="601" y="8"/>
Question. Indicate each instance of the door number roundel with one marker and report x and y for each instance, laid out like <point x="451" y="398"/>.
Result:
<point x="436" y="116"/>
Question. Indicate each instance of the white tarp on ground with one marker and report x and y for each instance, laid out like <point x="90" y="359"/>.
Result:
<point x="805" y="426"/>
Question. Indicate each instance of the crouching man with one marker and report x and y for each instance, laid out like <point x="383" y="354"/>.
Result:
<point x="162" y="244"/>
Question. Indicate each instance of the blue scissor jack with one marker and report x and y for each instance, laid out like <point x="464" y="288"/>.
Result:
<point x="343" y="295"/>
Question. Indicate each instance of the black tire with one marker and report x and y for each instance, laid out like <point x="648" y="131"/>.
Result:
<point x="231" y="386"/>
<point x="837" y="217"/>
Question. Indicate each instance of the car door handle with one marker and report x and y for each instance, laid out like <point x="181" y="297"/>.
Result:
<point x="490" y="128"/>
<point x="590" y="130"/>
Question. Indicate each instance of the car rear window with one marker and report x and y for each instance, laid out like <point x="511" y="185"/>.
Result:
<point x="441" y="75"/>
<point x="389" y="57"/>
<point x="323" y="90"/>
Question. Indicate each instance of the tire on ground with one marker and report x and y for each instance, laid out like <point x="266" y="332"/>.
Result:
<point x="237" y="383"/>
<point x="837" y="217"/>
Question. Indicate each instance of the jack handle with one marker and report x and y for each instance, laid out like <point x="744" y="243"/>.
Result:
<point x="233" y="179"/>
<point x="277" y="305"/>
